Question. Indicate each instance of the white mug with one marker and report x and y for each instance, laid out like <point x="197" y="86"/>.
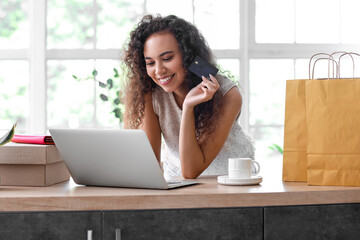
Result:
<point x="241" y="168"/>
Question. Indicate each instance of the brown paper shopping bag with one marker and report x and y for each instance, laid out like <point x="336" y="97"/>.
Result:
<point x="294" y="155"/>
<point x="295" y="143"/>
<point x="295" y="134"/>
<point x="333" y="131"/>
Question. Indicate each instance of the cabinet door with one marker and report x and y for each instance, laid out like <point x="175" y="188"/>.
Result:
<point x="312" y="222"/>
<point x="50" y="225"/>
<point x="226" y="223"/>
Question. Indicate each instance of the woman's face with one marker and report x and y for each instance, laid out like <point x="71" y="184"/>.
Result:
<point x="164" y="61"/>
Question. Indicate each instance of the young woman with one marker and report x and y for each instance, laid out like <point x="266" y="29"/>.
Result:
<point x="197" y="117"/>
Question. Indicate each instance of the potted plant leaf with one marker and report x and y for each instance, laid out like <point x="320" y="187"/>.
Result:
<point x="8" y="136"/>
<point x="112" y="91"/>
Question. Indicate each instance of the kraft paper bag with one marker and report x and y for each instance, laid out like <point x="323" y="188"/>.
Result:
<point x="294" y="154"/>
<point x="333" y="132"/>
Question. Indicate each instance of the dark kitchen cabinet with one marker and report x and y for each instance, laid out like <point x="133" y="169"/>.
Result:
<point x="225" y="223"/>
<point x="336" y="221"/>
<point x="50" y="225"/>
<point x="328" y="222"/>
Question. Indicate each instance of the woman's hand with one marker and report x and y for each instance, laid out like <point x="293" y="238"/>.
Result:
<point x="201" y="93"/>
<point x="195" y="157"/>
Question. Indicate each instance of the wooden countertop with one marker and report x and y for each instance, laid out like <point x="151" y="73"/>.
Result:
<point x="272" y="191"/>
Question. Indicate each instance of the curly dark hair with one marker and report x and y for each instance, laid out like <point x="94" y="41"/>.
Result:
<point x="191" y="43"/>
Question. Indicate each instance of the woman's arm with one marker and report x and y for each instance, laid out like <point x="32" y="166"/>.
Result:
<point x="150" y="124"/>
<point x="195" y="157"/>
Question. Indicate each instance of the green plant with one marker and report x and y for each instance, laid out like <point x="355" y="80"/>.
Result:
<point x="113" y="91"/>
<point x="12" y="15"/>
<point x="276" y="148"/>
<point x="8" y="136"/>
<point x="228" y="74"/>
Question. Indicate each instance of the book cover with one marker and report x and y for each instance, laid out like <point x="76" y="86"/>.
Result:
<point x="33" y="139"/>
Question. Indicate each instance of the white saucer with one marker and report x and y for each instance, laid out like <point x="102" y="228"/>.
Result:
<point x="240" y="182"/>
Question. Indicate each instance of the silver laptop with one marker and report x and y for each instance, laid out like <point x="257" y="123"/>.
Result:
<point x="113" y="158"/>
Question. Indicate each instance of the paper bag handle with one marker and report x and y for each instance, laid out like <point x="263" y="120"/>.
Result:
<point x="335" y="64"/>
<point x="329" y="57"/>
<point x="333" y="72"/>
<point x="350" y="54"/>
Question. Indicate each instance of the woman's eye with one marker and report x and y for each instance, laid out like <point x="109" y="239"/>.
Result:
<point x="168" y="58"/>
<point x="150" y="63"/>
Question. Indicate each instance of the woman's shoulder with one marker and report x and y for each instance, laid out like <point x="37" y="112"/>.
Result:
<point x="225" y="84"/>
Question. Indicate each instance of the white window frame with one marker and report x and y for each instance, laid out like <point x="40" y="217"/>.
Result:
<point x="37" y="55"/>
<point x="37" y="60"/>
<point x="253" y="50"/>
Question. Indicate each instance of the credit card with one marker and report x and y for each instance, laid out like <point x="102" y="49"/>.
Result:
<point x="200" y="67"/>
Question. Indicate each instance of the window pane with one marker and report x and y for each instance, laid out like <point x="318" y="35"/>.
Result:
<point x="230" y="68"/>
<point x="181" y="9"/>
<point x="319" y="69"/>
<point x="14" y="24"/>
<point x="115" y="21"/>
<point x="317" y="21"/>
<point x="348" y="69"/>
<point x="267" y="90"/>
<point x="302" y="69"/>
<point x="274" y="21"/>
<point x="70" y="102"/>
<point x="270" y="160"/>
<point x="104" y="111"/>
<point x="14" y="93"/>
<point x="219" y="22"/>
<point x="349" y="18"/>
<point x="70" y="24"/>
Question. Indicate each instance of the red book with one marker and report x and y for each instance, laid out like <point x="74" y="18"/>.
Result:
<point x="33" y="139"/>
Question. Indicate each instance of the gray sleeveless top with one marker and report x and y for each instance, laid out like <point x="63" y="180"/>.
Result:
<point x="238" y="144"/>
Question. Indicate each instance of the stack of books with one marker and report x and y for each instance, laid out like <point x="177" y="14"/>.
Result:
<point x="31" y="161"/>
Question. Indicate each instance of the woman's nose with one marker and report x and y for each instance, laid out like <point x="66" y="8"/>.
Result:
<point x="160" y="69"/>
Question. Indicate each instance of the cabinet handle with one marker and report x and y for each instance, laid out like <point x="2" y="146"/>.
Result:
<point x="117" y="234"/>
<point x="89" y="235"/>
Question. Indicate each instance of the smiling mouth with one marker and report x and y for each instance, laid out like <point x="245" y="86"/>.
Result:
<point x="166" y="79"/>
